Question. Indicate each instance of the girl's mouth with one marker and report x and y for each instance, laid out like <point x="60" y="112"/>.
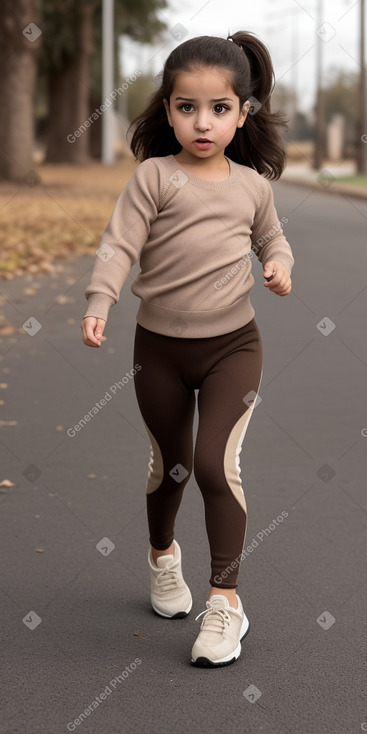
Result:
<point x="203" y="143"/>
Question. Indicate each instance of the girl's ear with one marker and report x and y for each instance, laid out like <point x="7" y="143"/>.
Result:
<point x="243" y="114"/>
<point x="166" y="104"/>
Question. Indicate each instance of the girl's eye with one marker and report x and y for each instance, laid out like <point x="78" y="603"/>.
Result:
<point x="221" y="108"/>
<point x="218" y="108"/>
<point x="183" y="107"/>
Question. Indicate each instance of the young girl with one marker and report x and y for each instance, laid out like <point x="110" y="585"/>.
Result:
<point x="195" y="211"/>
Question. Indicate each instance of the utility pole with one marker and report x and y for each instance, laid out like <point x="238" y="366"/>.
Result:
<point x="362" y="137"/>
<point x="107" y="81"/>
<point x="320" y="97"/>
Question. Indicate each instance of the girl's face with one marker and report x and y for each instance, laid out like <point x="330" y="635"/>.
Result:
<point x="203" y="107"/>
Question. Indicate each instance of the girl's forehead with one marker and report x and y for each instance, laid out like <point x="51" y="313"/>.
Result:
<point x="205" y="81"/>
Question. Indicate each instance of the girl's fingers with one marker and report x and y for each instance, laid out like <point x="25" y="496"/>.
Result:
<point x="285" y="291"/>
<point x="99" y="328"/>
<point x="281" y="289"/>
<point x="92" y="330"/>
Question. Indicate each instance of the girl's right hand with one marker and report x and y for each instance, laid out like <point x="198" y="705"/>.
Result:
<point x="92" y="330"/>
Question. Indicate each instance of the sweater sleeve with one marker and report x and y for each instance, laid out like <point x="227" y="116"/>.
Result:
<point x="268" y="240"/>
<point x="123" y="239"/>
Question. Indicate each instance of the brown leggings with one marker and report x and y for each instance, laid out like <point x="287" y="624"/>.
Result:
<point x="225" y="369"/>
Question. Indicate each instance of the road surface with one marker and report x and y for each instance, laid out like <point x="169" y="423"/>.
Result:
<point x="77" y="631"/>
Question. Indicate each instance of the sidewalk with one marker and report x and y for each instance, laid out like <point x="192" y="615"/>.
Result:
<point x="325" y="178"/>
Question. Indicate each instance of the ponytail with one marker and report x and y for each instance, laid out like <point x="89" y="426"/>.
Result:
<point x="258" y="144"/>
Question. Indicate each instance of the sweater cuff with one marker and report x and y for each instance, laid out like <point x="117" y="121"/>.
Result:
<point x="288" y="262"/>
<point x="99" y="305"/>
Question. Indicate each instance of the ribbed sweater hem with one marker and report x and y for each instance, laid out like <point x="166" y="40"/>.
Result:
<point x="195" y="324"/>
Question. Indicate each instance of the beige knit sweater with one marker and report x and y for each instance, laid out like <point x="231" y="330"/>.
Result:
<point x="195" y="239"/>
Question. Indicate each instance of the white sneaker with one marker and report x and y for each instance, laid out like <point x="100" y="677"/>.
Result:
<point x="221" y="632"/>
<point x="170" y="595"/>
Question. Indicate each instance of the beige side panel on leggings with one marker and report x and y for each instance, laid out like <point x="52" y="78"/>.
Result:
<point x="155" y="469"/>
<point x="232" y="452"/>
<point x="231" y="462"/>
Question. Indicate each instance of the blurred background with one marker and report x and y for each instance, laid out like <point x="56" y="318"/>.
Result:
<point x="76" y="72"/>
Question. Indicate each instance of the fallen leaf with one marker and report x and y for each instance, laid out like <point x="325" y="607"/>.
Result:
<point x="137" y="634"/>
<point x="65" y="299"/>
<point x="7" y="483"/>
<point x="39" y="550"/>
<point x="6" y="329"/>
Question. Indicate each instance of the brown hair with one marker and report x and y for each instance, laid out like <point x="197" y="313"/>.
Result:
<point x="258" y="144"/>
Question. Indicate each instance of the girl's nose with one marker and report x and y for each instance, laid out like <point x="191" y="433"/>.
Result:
<point x="203" y="121"/>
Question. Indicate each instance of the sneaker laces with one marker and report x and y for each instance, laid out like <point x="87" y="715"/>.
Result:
<point x="214" y="620"/>
<point x="167" y="578"/>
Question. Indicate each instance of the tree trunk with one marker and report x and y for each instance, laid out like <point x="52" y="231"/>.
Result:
<point x="18" y="56"/>
<point x="67" y="137"/>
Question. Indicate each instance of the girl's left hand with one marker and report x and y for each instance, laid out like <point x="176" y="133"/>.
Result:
<point x="280" y="281"/>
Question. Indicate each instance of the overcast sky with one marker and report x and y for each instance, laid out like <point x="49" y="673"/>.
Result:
<point x="288" y="27"/>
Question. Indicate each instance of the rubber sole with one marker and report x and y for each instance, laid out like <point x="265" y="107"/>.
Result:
<point x="178" y="615"/>
<point x="203" y="662"/>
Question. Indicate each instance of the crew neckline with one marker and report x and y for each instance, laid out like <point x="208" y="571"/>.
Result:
<point x="203" y="182"/>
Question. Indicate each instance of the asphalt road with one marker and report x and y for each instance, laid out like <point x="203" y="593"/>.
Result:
<point x="74" y="617"/>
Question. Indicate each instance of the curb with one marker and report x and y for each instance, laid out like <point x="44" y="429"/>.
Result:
<point x="358" y="192"/>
